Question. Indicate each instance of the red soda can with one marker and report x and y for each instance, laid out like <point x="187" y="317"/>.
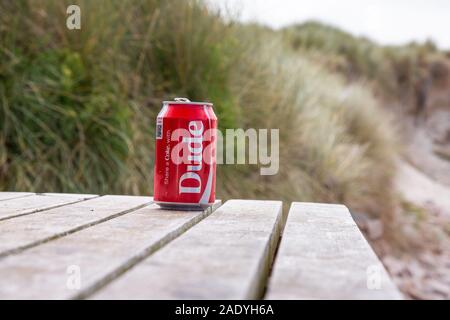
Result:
<point x="185" y="155"/>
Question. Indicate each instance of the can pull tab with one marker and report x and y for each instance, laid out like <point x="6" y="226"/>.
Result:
<point x="182" y="99"/>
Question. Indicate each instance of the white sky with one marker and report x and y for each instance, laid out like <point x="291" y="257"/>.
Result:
<point x="385" y="21"/>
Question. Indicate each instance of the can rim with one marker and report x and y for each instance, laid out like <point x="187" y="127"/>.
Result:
<point x="188" y="102"/>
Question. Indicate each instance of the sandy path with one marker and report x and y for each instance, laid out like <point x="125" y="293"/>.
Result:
<point x="425" y="273"/>
<point x="418" y="188"/>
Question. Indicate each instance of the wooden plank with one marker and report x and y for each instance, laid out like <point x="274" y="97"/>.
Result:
<point x="13" y="195"/>
<point x="98" y="254"/>
<point x="26" y="205"/>
<point x="323" y="255"/>
<point x="226" y="256"/>
<point x="69" y="195"/>
<point x="30" y="230"/>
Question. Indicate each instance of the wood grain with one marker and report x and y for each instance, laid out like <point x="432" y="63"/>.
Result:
<point x="13" y="195"/>
<point x="100" y="253"/>
<point x="125" y="247"/>
<point x="70" y="195"/>
<point x="28" y="231"/>
<point x="30" y="204"/>
<point x="323" y="255"/>
<point x="225" y="256"/>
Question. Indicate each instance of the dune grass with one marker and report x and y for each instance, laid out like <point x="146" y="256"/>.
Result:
<point x="393" y="72"/>
<point x="77" y="108"/>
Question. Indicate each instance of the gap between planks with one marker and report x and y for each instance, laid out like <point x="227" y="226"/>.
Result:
<point x="43" y="208"/>
<point x="226" y="256"/>
<point x="324" y="255"/>
<point x="274" y="257"/>
<point x="41" y="271"/>
<point x="59" y="235"/>
<point x="133" y="261"/>
<point x="16" y="195"/>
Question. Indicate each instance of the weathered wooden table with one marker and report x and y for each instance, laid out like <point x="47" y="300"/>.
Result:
<point x="71" y="246"/>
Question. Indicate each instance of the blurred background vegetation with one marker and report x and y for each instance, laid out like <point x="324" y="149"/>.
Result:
<point x="78" y="107"/>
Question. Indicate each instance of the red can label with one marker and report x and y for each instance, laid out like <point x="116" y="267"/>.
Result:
<point x="185" y="162"/>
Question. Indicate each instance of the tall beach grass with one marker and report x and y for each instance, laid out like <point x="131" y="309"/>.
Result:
<point x="77" y="108"/>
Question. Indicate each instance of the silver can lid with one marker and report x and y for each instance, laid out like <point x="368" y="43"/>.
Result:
<point x="179" y="100"/>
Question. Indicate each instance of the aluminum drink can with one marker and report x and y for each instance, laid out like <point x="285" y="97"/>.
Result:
<point x="185" y="155"/>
